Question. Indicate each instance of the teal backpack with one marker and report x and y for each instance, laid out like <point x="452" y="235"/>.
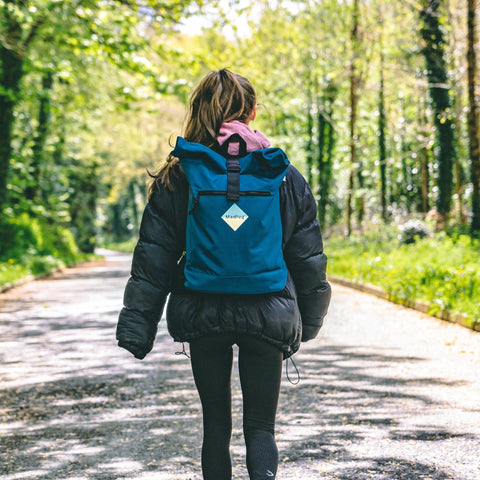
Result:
<point x="234" y="228"/>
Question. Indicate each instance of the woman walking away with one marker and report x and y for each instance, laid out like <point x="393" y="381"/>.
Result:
<point x="230" y="232"/>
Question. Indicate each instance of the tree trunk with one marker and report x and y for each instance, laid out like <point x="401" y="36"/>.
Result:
<point x="83" y="206"/>
<point x="473" y="122"/>
<point x="353" y="116"/>
<point x="132" y="190"/>
<point x="11" y="71"/>
<point x="382" y="150"/>
<point x="309" y="147"/>
<point x="323" y="169"/>
<point x="439" y="93"/>
<point x="38" y="157"/>
<point x="326" y="141"/>
<point x="458" y="169"/>
<point x="406" y="180"/>
<point x="425" y="180"/>
<point x="360" y="202"/>
<point x="424" y="158"/>
<point x="456" y="65"/>
<point x="328" y="171"/>
<point x="14" y="43"/>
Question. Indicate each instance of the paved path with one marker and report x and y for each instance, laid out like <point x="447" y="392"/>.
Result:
<point x="385" y="393"/>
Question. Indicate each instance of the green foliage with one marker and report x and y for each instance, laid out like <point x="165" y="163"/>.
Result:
<point x="31" y="235"/>
<point x="71" y="146"/>
<point x="11" y="272"/>
<point x="18" y="236"/>
<point x="441" y="271"/>
<point x="126" y="247"/>
<point x="121" y="73"/>
<point x="31" y="247"/>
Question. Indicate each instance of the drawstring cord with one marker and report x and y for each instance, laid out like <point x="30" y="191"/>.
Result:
<point x="296" y="382"/>
<point x="296" y="370"/>
<point x="183" y="352"/>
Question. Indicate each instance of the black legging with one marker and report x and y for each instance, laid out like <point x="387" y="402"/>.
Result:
<point x="260" y="366"/>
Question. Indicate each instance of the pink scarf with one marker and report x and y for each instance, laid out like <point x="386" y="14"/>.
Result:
<point x="255" y="140"/>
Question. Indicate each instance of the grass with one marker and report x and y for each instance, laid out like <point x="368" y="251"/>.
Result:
<point x="442" y="271"/>
<point x="27" y="266"/>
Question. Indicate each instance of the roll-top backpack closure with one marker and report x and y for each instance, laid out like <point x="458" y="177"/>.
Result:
<point x="234" y="230"/>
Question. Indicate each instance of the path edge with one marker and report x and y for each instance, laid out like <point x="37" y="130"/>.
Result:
<point x="32" y="278"/>
<point x="445" y="315"/>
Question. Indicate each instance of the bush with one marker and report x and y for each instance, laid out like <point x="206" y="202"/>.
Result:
<point x="413" y="230"/>
<point x="30" y="247"/>
<point x="59" y="242"/>
<point x="18" y="235"/>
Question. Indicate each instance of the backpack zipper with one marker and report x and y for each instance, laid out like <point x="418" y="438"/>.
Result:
<point x="248" y="193"/>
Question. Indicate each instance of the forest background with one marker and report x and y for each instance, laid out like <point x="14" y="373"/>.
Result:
<point x="375" y="102"/>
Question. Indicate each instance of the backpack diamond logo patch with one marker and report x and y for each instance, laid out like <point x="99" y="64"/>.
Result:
<point x="234" y="217"/>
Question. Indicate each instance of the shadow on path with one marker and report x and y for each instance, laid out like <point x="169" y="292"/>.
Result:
<point x="75" y="406"/>
<point x="337" y="409"/>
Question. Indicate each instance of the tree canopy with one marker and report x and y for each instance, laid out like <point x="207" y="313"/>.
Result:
<point x="373" y="101"/>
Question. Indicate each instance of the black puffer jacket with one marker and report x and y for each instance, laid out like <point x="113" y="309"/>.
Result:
<point x="284" y="319"/>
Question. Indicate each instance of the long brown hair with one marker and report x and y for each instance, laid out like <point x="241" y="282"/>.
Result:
<point x="221" y="96"/>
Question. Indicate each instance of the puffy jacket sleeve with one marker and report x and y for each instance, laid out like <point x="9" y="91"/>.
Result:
<point x="154" y="260"/>
<point x="304" y="254"/>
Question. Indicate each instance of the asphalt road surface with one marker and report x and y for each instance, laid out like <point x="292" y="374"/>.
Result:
<point x="384" y="393"/>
